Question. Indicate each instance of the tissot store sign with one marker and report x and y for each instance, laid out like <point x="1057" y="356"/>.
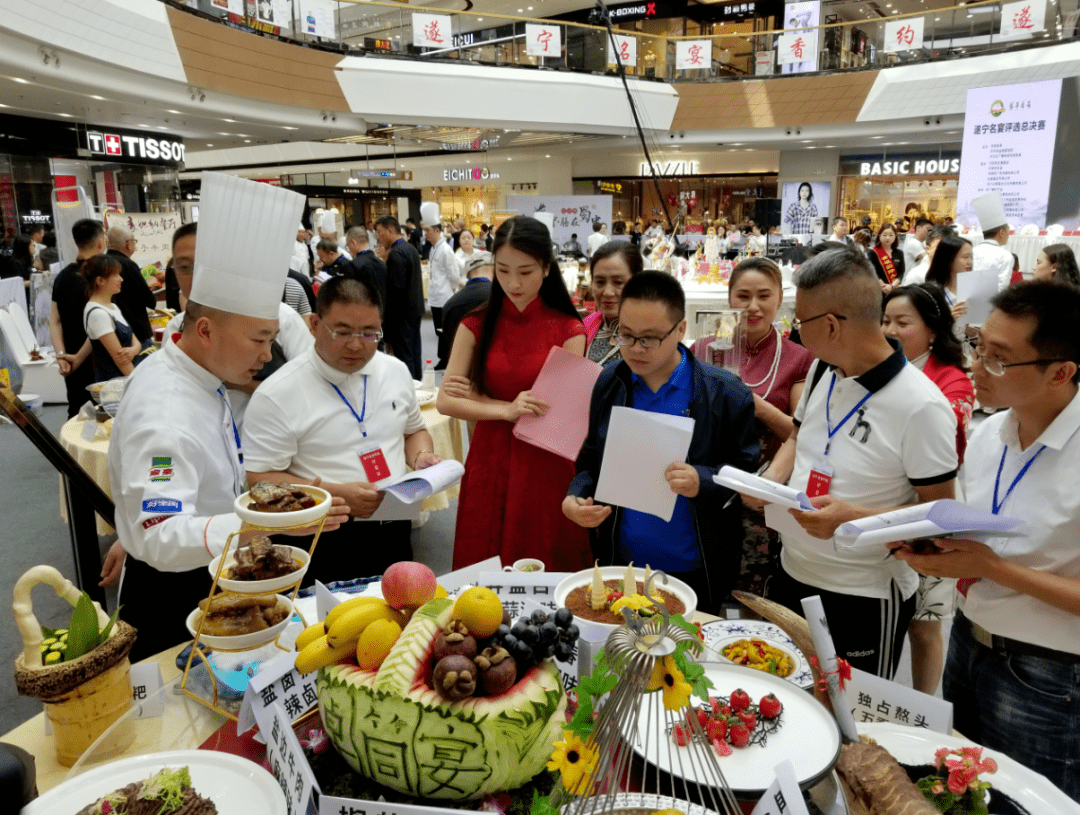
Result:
<point x="132" y="146"/>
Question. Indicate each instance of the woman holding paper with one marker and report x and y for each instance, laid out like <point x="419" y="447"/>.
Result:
<point x="919" y="317"/>
<point x="611" y="266"/>
<point x="512" y="490"/>
<point x="952" y="256"/>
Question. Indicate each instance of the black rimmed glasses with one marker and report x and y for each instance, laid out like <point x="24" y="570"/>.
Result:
<point x="974" y="350"/>
<point x="652" y="343"/>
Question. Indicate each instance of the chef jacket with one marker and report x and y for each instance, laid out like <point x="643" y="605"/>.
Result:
<point x="175" y="464"/>
<point x="298" y="423"/>
<point x="992" y="256"/>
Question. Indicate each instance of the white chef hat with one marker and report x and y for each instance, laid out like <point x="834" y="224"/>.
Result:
<point x="989" y="211"/>
<point x="430" y="214"/>
<point x="328" y="221"/>
<point x="245" y="242"/>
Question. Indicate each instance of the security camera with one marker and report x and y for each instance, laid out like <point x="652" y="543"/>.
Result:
<point x="926" y="122"/>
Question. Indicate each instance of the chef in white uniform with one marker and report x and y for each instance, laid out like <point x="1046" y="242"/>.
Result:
<point x="175" y="459"/>
<point x="991" y="254"/>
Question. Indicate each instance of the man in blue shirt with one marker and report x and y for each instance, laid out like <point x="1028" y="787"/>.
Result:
<point x="701" y="543"/>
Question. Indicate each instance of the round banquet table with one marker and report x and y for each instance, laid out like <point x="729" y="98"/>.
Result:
<point x="93" y="453"/>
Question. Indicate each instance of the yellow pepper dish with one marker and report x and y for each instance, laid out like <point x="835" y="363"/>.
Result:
<point x="759" y="654"/>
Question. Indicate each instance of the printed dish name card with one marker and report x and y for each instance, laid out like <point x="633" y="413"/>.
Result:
<point x="329" y="805"/>
<point x="783" y="797"/>
<point x="873" y="699"/>
<point x="276" y="683"/>
<point x="513" y="587"/>
<point x="286" y="758"/>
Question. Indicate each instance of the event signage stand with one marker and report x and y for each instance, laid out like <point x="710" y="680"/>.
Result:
<point x="83" y="496"/>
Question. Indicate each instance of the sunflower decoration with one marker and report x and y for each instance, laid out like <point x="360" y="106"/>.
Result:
<point x="667" y="677"/>
<point x="575" y="761"/>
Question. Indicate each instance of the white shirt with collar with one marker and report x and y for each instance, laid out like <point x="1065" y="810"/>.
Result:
<point x="1047" y="498"/>
<point x="174" y="466"/>
<point x="846" y="240"/>
<point x="444" y="273"/>
<point x="913" y="250"/>
<point x="992" y="256"/>
<point x="297" y="422"/>
<point x="916" y="274"/>
<point x="595" y="241"/>
<point x="905" y="436"/>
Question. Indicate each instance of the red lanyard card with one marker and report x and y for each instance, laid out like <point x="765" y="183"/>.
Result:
<point x="820" y="479"/>
<point x="374" y="463"/>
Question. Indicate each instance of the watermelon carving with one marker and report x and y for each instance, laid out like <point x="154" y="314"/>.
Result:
<point x="393" y="728"/>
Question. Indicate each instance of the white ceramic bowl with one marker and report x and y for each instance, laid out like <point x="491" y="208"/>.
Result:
<point x="280" y="520"/>
<point x="584" y="578"/>
<point x="240" y="641"/>
<point x="262" y="586"/>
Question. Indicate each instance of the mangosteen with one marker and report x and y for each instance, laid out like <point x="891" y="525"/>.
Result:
<point x="455" y="677"/>
<point x="454" y="639"/>
<point x="498" y="672"/>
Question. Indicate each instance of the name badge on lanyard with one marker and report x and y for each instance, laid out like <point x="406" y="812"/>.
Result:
<point x="819" y="480"/>
<point x="822" y="473"/>
<point x="371" y="455"/>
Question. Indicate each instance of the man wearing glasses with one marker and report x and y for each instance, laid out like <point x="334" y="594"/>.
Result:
<point x="702" y="543"/>
<point x="346" y="414"/>
<point x="1013" y="668"/>
<point x="872" y="434"/>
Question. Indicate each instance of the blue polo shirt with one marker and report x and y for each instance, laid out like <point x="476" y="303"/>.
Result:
<point x="646" y="539"/>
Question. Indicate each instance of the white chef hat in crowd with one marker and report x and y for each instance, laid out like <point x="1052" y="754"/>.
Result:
<point x="990" y="211"/>
<point x="245" y="242"/>
<point x="328" y="221"/>
<point x="430" y="214"/>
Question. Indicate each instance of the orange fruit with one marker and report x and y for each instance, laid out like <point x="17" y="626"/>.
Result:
<point x="479" y="608"/>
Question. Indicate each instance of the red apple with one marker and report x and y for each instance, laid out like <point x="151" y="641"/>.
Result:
<point x="408" y="585"/>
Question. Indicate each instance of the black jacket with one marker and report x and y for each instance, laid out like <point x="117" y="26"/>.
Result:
<point x="369" y="267"/>
<point x="135" y="296"/>
<point x="897" y="256"/>
<point x="724" y="433"/>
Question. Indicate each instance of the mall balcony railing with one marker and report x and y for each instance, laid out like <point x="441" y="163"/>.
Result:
<point x="372" y="28"/>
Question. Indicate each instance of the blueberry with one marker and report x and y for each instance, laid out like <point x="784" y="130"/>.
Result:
<point x="563" y="617"/>
<point x="564" y="651"/>
<point x="509" y="641"/>
<point x="549" y="632"/>
<point x="571" y="633"/>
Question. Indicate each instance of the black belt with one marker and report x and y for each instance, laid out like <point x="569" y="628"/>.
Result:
<point x="1006" y="645"/>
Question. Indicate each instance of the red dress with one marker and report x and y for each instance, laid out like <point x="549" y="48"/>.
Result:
<point x="512" y="492"/>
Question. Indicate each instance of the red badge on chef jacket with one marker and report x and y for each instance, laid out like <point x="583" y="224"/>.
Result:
<point x="374" y="463"/>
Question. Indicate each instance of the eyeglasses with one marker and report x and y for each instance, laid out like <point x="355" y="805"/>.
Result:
<point x="627" y="341"/>
<point x="340" y="335"/>
<point x="973" y="350"/>
<point x="797" y="324"/>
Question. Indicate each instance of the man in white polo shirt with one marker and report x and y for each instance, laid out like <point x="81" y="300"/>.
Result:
<point x="1013" y="670"/>
<point x="345" y="413"/>
<point x="872" y="434"/>
<point x="915" y="243"/>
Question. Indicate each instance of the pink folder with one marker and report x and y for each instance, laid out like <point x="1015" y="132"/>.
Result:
<point x="566" y="383"/>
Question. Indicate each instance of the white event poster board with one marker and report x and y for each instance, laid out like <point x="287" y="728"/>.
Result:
<point x="317" y="18"/>
<point x="1022" y="19"/>
<point x="573" y="214"/>
<point x="796" y="47"/>
<point x="904" y="35"/>
<point x="691" y="55"/>
<point x="543" y="40"/>
<point x="1009" y="135"/>
<point x="431" y="30"/>
<point x="626" y="51"/>
<point x="153" y="231"/>
<point x="802" y="18"/>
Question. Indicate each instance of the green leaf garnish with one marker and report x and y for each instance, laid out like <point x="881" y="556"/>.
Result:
<point x="541" y="805"/>
<point x="83" y="630"/>
<point x="168" y="787"/>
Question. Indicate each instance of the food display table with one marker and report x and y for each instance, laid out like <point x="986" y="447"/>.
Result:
<point x="93" y="453"/>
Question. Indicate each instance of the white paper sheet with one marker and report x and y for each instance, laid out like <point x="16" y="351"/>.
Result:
<point x="814" y="613"/>
<point x="930" y="520"/>
<point x="414" y="487"/>
<point x="640" y="447"/>
<point x="758" y="487"/>
<point x="976" y="289"/>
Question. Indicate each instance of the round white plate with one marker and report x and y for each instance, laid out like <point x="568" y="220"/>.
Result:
<point x="236" y="785"/>
<point x="426" y="397"/>
<point x="916" y="745"/>
<point x="808" y="735"/>
<point x="720" y="633"/>
<point x="279" y="520"/>
<point x="624" y="801"/>
<point x="262" y="586"/>
<point x="584" y="578"/>
<point x="240" y="641"/>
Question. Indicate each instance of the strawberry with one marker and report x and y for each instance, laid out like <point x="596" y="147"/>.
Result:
<point x="614" y="595"/>
<point x="740" y="699"/>
<point x="739" y="734"/>
<point x="714" y="703"/>
<point x="721" y="748"/>
<point x="702" y="717"/>
<point x="716" y="729"/>
<point x="769" y="707"/>
<point x="748" y="718"/>
<point x="680" y="735"/>
<point x="699" y="633"/>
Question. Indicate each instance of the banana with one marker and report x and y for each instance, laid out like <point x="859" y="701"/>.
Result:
<point x="309" y="635"/>
<point x="318" y="654"/>
<point x="349" y="626"/>
<point x="348" y="605"/>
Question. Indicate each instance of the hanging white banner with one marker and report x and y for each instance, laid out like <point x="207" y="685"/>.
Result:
<point x="543" y="40"/>
<point x="627" y="51"/>
<point x="692" y="54"/>
<point x="1023" y="19"/>
<point x="317" y="18"/>
<point x="799" y="46"/>
<point x="904" y="35"/>
<point x="430" y="30"/>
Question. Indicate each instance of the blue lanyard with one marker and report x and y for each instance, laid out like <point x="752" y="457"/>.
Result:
<point x="997" y="505"/>
<point x="363" y="409"/>
<point x="232" y="421"/>
<point x="828" y="418"/>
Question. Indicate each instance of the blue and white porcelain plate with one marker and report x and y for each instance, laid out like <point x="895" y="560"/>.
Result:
<point x="721" y="633"/>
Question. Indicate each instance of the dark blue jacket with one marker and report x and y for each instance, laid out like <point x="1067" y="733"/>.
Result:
<point x="724" y="433"/>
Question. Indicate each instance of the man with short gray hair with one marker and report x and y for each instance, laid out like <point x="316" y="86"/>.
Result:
<point x="135" y="296"/>
<point x="365" y="264"/>
<point x="872" y="434"/>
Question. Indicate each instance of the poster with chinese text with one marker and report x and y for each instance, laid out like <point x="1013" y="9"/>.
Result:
<point x="796" y="48"/>
<point x="431" y="30"/>
<point x="904" y="35"/>
<point x="1022" y="19"/>
<point x="573" y="214"/>
<point x="543" y="40"/>
<point x="627" y="51"/>
<point x="802" y="18"/>
<point x="693" y="54"/>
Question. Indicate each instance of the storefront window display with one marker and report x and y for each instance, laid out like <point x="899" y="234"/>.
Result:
<point x="903" y="187"/>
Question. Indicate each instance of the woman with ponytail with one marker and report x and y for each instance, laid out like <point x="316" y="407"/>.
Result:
<point x="113" y="347"/>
